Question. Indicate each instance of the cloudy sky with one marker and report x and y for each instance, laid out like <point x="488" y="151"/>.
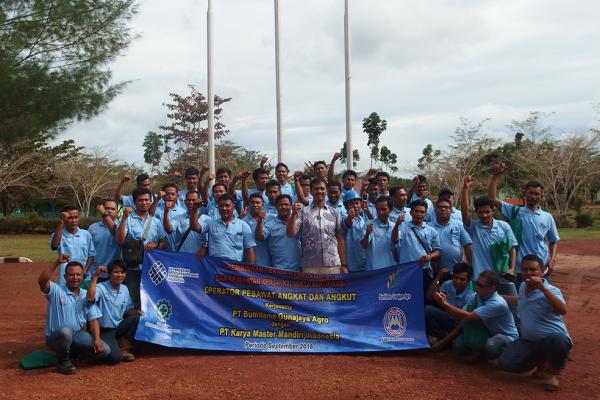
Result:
<point x="420" y="65"/>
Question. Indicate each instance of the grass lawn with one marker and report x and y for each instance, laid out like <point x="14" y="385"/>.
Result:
<point x="37" y="247"/>
<point x="34" y="247"/>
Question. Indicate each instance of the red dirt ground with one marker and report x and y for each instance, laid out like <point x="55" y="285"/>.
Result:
<point x="160" y="373"/>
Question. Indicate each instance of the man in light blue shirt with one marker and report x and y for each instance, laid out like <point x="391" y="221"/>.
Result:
<point x="285" y="251"/>
<point x="334" y="191"/>
<point x="273" y="192"/>
<point x="485" y="232"/>
<point x="281" y="173"/>
<point x="372" y="195"/>
<point x="73" y="241"/>
<point x="399" y="197"/>
<point x="255" y="219"/>
<point x="193" y="177"/>
<point x="455" y="242"/>
<point x="536" y="226"/>
<point x="224" y="176"/>
<point x="354" y="226"/>
<point x="119" y="318"/>
<point x="419" y="191"/>
<point x="141" y="181"/>
<point x="447" y="194"/>
<point x="228" y="236"/>
<point x="67" y="315"/>
<point x="440" y="324"/>
<point x="132" y="226"/>
<point x="103" y="236"/>
<point x="544" y="341"/>
<point x="261" y="178"/>
<point x="378" y="237"/>
<point x="180" y="236"/>
<point x="489" y="308"/>
<point x="167" y="201"/>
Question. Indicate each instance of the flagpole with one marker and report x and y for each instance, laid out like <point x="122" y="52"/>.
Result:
<point x="210" y="97"/>
<point x="278" y="85"/>
<point x="349" y="151"/>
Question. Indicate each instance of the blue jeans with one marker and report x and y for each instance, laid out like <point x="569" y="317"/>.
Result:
<point x="126" y="329"/>
<point x="64" y="341"/>
<point x="438" y="322"/>
<point x="522" y="355"/>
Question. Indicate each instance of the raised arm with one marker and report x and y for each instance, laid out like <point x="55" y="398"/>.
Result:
<point x="206" y="185"/>
<point x="108" y="221"/>
<point x="497" y="171"/>
<point x="292" y="229"/>
<point x="160" y="195"/>
<point x="364" y="242"/>
<point x="119" y="189"/>
<point x="455" y="312"/>
<point x="465" y="208"/>
<point x="299" y="191"/>
<point x="259" y="233"/>
<point x="331" y="169"/>
<point x="57" y="238"/>
<point x="557" y="304"/>
<point x="194" y="218"/>
<point x="91" y="290"/>
<point x="395" y="234"/>
<point x="44" y="278"/>
<point x="167" y="225"/>
<point x="122" y="229"/>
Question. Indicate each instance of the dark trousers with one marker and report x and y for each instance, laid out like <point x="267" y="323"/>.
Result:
<point x="427" y="281"/>
<point x="522" y="355"/>
<point x="438" y="323"/>
<point x="65" y="342"/>
<point x="132" y="281"/>
<point x="126" y="329"/>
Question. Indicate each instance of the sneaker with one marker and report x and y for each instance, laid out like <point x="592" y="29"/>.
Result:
<point x="127" y="356"/>
<point x="65" y="367"/>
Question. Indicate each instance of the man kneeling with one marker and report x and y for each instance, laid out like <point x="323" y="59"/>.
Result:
<point x="119" y="319"/>
<point x="491" y="310"/>
<point x="544" y="341"/>
<point x="68" y="312"/>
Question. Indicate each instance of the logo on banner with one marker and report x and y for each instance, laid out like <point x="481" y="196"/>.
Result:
<point x="394" y="322"/>
<point x="157" y="272"/>
<point x="164" y="310"/>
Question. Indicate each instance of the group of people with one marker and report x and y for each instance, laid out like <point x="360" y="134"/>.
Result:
<point x="485" y="280"/>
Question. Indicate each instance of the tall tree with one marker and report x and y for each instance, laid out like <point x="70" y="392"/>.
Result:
<point x="153" y="150"/>
<point x="54" y="57"/>
<point x="374" y="126"/>
<point x="355" y="155"/>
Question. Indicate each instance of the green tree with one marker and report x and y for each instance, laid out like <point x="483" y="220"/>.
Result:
<point x="355" y="155"/>
<point x="374" y="126"/>
<point x="153" y="146"/>
<point x="54" y="57"/>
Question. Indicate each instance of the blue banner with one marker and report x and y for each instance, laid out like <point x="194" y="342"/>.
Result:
<point x="218" y="304"/>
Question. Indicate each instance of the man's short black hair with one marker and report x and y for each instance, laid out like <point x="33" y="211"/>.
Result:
<point x="272" y="183"/>
<point x="68" y="208"/>
<point x="445" y="194"/>
<point x="483" y="201"/>
<point x="104" y="201"/>
<point x="422" y="178"/>
<point x="334" y="183"/>
<point x="257" y="195"/>
<point x="192" y="192"/>
<point x="316" y="181"/>
<point x="319" y="162"/>
<point x="535" y="258"/>
<point x="141" y="178"/>
<point x="349" y="172"/>
<point x="442" y="200"/>
<point x="385" y="199"/>
<point x="534" y="184"/>
<point x="257" y="172"/>
<point x="382" y="173"/>
<point x="223" y="170"/>
<point x="168" y="185"/>
<point x="140" y="191"/>
<point x="373" y="181"/>
<point x="416" y="203"/>
<point x="190" y="171"/>
<point x="304" y="177"/>
<point x="394" y="189"/>
<point x="226" y="197"/>
<point x="73" y="264"/>
<point x="116" y="264"/>
<point x="281" y="165"/>
<point x="463" y="267"/>
<point x="219" y="184"/>
<point x="491" y="278"/>
<point x="283" y="197"/>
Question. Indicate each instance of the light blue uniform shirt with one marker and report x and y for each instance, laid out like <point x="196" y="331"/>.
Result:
<point x="456" y="214"/>
<point x="228" y="241"/>
<point x="270" y="209"/>
<point x="113" y="304"/>
<point x="483" y="237"/>
<point x="409" y="248"/>
<point x="262" y="192"/>
<point x="356" y="255"/>
<point x="212" y="211"/>
<point x="107" y="248"/>
<point x="261" y="250"/>
<point x="380" y="253"/>
<point x="538" y="320"/>
<point x="495" y="315"/>
<point x="290" y="191"/>
<point x="395" y="213"/>
<point x="339" y="207"/>
<point x="67" y="310"/>
<point x="134" y="230"/>
<point x="453" y="237"/>
<point x="372" y="208"/>
<point x="173" y="212"/>
<point x="239" y="200"/>
<point x="181" y="197"/>
<point x="456" y="299"/>
<point x="536" y="227"/>
<point x="285" y="251"/>
<point x="78" y="246"/>
<point x="194" y="240"/>
<point x="430" y="216"/>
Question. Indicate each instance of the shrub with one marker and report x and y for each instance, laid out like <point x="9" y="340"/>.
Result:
<point x="584" y="220"/>
<point x="34" y="224"/>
